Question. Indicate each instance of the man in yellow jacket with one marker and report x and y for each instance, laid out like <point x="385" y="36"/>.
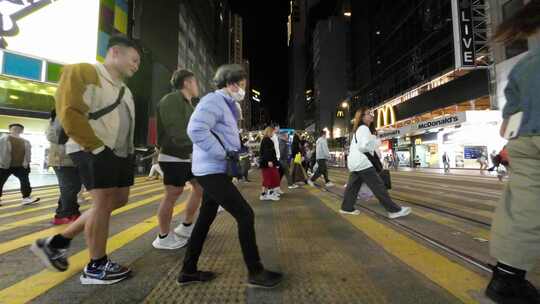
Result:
<point x="97" y="112"/>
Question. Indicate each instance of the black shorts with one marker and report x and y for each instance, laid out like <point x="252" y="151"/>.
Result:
<point x="105" y="170"/>
<point x="176" y="173"/>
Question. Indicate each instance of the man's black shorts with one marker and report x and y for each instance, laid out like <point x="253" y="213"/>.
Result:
<point x="176" y="173"/>
<point x="104" y="170"/>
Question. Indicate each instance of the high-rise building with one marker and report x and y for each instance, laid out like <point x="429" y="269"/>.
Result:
<point x="236" y="40"/>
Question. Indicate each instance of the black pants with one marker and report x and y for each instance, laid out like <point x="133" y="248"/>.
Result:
<point x="70" y="184"/>
<point x="219" y="190"/>
<point x="22" y="174"/>
<point x="375" y="183"/>
<point x="321" y="170"/>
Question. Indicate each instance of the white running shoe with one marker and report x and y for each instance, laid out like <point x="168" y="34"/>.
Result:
<point x="184" y="231"/>
<point x="403" y="212"/>
<point x="171" y="242"/>
<point x="220" y="209"/>
<point x="329" y="184"/>
<point x="278" y="191"/>
<point x="293" y="186"/>
<point x="29" y="201"/>
<point x="355" y="212"/>
<point x="310" y="182"/>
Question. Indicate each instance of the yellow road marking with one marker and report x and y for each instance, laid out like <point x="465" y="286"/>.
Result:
<point x="455" y="278"/>
<point x="42" y="207"/>
<point x="36" y="285"/>
<point x="28" y="239"/>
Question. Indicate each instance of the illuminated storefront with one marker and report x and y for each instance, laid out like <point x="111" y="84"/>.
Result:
<point x="38" y="38"/>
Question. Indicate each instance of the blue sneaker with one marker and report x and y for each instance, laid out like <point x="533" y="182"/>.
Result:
<point x="106" y="274"/>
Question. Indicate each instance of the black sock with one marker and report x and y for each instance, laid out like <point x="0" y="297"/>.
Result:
<point x="511" y="271"/>
<point x="187" y="225"/>
<point x="162" y="236"/>
<point x="60" y="242"/>
<point x="98" y="262"/>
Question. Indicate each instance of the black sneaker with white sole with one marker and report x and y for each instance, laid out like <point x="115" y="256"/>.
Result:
<point x="265" y="279"/>
<point x="105" y="274"/>
<point x="197" y="277"/>
<point x="52" y="258"/>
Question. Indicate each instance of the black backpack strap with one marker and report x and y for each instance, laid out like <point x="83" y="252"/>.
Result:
<point x="219" y="140"/>
<point x="98" y="114"/>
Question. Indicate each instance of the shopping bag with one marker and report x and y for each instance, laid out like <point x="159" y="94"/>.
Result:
<point x="298" y="158"/>
<point x="365" y="193"/>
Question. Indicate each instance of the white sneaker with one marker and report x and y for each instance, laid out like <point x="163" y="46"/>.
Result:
<point x="220" y="209"/>
<point x="329" y="184"/>
<point x="29" y="201"/>
<point x="310" y="182"/>
<point x="171" y="242"/>
<point x="293" y="186"/>
<point x="278" y="191"/>
<point x="403" y="212"/>
<point x="184" y="231"/>
<point x="355" y="212"/>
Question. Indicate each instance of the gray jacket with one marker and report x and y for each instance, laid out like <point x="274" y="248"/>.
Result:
<point x="522" y="93"/>
<point x="5" y="152"/>
<point x="283" y="150"/>
<point x="322" y="151"/>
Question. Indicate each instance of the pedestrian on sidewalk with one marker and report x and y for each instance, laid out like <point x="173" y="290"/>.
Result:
<point x="284" y="159"/>
<point x="446" y="162"/>
<point x="323" y="155"/>
<point x="515" y="231"/>
<point x="268" y="163"/>
<point x="67" y="173"/>
<point x="362" y="170"/>
<point x="15" y="156"/>
<point x="216" y="117"/>
<point x="275" y="141"/>
<point x="97" y="112"/>
<point x="298" y="174"/>
<point x="173" y="114"/>
<point x="483" y="161"/>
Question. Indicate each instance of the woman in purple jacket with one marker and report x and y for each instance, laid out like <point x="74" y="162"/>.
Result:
<point x="217" y="116"/>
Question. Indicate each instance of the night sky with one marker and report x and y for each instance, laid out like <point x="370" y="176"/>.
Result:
<point x="265" y="46"/>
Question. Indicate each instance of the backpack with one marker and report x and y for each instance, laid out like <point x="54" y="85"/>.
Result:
<point x="55" y="132"/>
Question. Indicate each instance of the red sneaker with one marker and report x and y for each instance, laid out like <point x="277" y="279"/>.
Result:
<point x="61" y="220"/>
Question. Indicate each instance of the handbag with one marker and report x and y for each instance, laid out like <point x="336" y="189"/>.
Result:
<point x="233" y="159"/>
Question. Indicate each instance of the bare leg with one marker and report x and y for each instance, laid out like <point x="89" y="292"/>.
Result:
<point x="166" y="208"/>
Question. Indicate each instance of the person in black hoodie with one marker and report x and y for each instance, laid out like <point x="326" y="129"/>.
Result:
<point x="268" y="164"/>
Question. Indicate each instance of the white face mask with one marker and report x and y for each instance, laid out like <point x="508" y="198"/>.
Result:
<point x="239" y="96"/>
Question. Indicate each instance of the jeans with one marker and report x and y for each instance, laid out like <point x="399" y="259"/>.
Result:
<point x="375" y="183"/>
<point x="284" y="165"/>
<point x="22" y="174"/>
<point x="321" y="170"/>
<point x="219" y="190"/>
<point x="70" y="184"/>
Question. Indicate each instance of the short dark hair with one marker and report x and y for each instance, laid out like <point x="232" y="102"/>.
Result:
<point x="125" y="42"/>
<point x="229" y="74"/>
<point x="15" y="125"/>
<point x="179" y="76"/>
<point x="323" y="132"/>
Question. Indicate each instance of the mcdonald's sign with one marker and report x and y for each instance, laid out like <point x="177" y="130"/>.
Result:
<point x="386" y="116"/>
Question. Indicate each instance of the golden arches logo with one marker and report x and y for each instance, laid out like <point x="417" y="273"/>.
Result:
<point x="386" y="116"/>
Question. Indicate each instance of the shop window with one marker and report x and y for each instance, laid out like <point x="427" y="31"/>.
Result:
<point x="22" y="66"/>
<point x="519" y="46"/>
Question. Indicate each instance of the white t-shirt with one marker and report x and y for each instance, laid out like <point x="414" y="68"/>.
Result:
<point x="172" y="159"/>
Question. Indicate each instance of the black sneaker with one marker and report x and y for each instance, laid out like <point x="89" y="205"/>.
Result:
<point x="197" y="277"/>
<point x="52" y="258"/>
<point x="265" y="279"/>
<point x="506" y="289"/>
<point x="106" y="274"/>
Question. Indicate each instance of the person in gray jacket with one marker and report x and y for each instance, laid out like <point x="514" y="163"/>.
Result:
<point x="322" y="154"/>
<point x="284" y="159"/>
<point x="15" y="160"/>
